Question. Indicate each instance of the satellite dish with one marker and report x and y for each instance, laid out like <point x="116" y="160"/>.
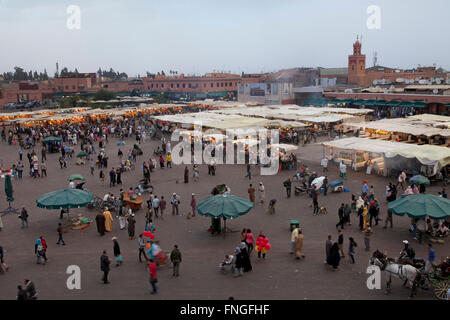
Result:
<point x="400" y="80"/>
<point x="435" y="91"/>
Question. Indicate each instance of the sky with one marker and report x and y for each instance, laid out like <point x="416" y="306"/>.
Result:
<point x="199" y="36"/>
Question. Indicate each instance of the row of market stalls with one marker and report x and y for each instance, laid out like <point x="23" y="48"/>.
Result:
<point x="76" y="115"/>
<point x="286" y="117"/>
<point x="387" y="157"/>
<point x="419" y="129"/>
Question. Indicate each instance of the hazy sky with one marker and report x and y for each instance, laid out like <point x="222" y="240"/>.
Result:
<point x="197" y="36"/>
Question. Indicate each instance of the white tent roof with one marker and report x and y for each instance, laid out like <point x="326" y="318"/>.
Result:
<point x="424" y="153"/>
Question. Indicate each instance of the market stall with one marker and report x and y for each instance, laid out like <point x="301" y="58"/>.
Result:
<point x="387" y="156"/>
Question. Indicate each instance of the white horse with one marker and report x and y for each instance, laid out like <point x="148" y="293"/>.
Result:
<point x="405" y="272"/>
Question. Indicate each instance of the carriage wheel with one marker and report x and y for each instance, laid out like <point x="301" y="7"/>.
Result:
<point x="440" y="289"/>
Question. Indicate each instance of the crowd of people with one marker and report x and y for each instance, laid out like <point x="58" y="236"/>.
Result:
<point x="92" y="138"/>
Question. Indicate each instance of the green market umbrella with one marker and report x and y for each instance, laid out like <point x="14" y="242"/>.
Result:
<point x="224" y="206"/>
<point x="51" y="139"/>
<point x="64" y="199"/>
<point x="9" y="196"/>
<point x="419" y="179"/>
<point x="421" y="205"/>
<point x="8" y="189"/>
<point x="75" y="177"/>
<point x="82" y="154"/>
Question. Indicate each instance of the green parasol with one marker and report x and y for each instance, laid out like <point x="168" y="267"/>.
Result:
<point x="224" y="206"/>
<point x="8" y="189"/>
<point x="421" y="205"/>
<point x="76" y="177"/>
<point x="82" y="154"/>
<point x="64" y="199"/>
<point x="9" y="196"/>
<point x="419" y="179"/>
<point x="51" y="139"/>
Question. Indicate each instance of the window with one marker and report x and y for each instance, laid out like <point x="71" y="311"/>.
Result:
<point x="152" y="85"/>
<point x="189" y="85"/>
<point x="73" y="87"/>
<point x="162" y="85"/>
<point x="204" y="85"/>
<point x="231" y="84"/>
<point x="171" y="85"/>
<point x="67" y="87"/>
<point x="156" y="85"/>
<point x="217" y="84"/>
<point x="221" y="84"/>
<point x="184" y="85"/>
<point x="212" y="85"/>
<point x="226" y="84"/>
<point x="178" y="85"/>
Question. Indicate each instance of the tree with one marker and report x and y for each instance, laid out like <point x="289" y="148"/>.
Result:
<point x="19" y="74"/>
<point x="64" y="71"/>
<point x="104" y="95"/>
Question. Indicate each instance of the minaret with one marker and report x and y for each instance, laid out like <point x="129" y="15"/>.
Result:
<point x="357" y="65"/>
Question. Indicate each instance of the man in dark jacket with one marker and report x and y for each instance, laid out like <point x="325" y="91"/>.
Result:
<point x="112" y="178"/>
<point x="24" y="217"/>
<point x="175" y="257"/>
<point x="21" y="294"/>
<point x="341" y="217"/>
<point x="288" y="185"/>
<point x="104" y="266"/>
<point x="30" y="289"/>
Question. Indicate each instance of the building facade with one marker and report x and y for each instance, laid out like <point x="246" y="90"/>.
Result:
<point x="358" y="74"/>
<point x="211" y="85"/>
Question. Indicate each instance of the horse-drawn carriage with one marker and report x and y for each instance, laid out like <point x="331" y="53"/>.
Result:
<point x="413" y="273"/>
<point x="440" y="282"/>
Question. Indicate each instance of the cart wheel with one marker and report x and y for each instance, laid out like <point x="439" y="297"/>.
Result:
<point x="440" y="289"/>
<point x="340" y="189"/>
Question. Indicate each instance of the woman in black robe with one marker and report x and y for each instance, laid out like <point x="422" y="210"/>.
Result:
<point x="334" y="257"/>
<point x="239" y="263"/>
<point x="100" y="220"/>
<point x="186" y="175"/>
<point x="131" y="226"/>
<point x="246" y="264"/>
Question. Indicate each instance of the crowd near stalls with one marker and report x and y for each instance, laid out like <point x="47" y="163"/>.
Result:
<point x="420" y="129"/>
<point x="388" y="158"/>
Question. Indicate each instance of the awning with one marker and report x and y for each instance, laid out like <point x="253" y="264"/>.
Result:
<point x="369" y="102"/>
<point x="407" y="104"/>
<point x="359" y="102"/>
<point x="380" y="103"/>
<point x="419" y="104"/>
<point x="393" y="103"/>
